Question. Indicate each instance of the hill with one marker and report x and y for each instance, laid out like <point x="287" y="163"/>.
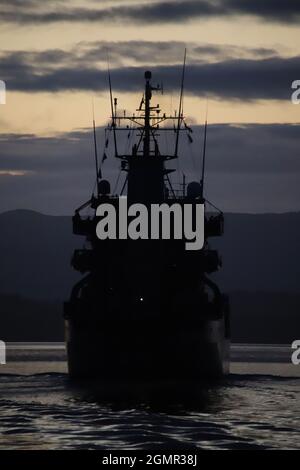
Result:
<point x="259" y="252"/>
<point x="261" y="273"/>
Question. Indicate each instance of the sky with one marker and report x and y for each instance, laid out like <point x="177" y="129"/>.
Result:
<point x="242" y="57"/>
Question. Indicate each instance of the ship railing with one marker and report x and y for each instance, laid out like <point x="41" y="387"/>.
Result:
<point x="214" y="225"/>
<point x="82" y="260"/>
<point x="211" y="261"/>
<point x="176" y="194"/>
<point x="82" y="225"/>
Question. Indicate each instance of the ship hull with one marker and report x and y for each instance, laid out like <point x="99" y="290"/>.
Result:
<point x="146" y="352"/>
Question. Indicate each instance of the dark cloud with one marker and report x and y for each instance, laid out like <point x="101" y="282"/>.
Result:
<point x="121" y="53"/>
<point x="269" y="10"/>
<point x="282" y="11"/>
<point x="20" y="3"/>
<point x="165" y="52"/>
<point x="253" y="167"/>
<point x="237" y="78"/>
<point x="250" y="148"/>
<point x="29" y="4"/>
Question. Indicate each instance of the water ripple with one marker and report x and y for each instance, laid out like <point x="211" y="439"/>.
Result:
<point x="45" y="411"/>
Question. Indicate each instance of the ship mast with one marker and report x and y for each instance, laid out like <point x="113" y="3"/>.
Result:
<point x="145" y="164"/>
<point x="147" y="127"/>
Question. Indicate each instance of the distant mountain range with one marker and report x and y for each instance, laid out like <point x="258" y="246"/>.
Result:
<point x="260" y="253"/>
<point x="261" y="270"/>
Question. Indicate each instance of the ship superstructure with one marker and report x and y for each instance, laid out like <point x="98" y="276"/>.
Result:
<point x="147" y="308"/>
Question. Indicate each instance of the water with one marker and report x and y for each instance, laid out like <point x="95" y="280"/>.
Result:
<point x="256" y="407"/>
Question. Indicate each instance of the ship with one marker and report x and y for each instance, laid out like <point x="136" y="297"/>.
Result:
<point x="147" y="309"/>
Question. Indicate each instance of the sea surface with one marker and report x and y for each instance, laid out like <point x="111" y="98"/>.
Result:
<point x="256" y="407"/>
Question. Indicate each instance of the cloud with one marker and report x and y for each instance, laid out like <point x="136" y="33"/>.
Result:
<point x="124" y="53"/>
<point x="261" y="75"/>
<point x="165" y="52"/>
<point x="20" y="3"/>
<point x="29" y="4"/>
<point x="252" y="167"/>
<point x="172" y="11"/>
<point x="13" y="172"/>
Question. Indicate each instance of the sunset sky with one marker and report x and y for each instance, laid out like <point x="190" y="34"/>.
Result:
<point x="242" y="56"/>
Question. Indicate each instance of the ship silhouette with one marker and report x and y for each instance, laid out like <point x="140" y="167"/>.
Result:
<point x="146" y="309"/>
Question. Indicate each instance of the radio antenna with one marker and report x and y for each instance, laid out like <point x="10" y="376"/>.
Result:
<point x="98" y="171"/>
<point x="112" y="108"/>
<point x="204" y="154"/>
<point x="180" y="106"/>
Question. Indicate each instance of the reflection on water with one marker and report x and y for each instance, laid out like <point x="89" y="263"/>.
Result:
<point x="47" y="411"/>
